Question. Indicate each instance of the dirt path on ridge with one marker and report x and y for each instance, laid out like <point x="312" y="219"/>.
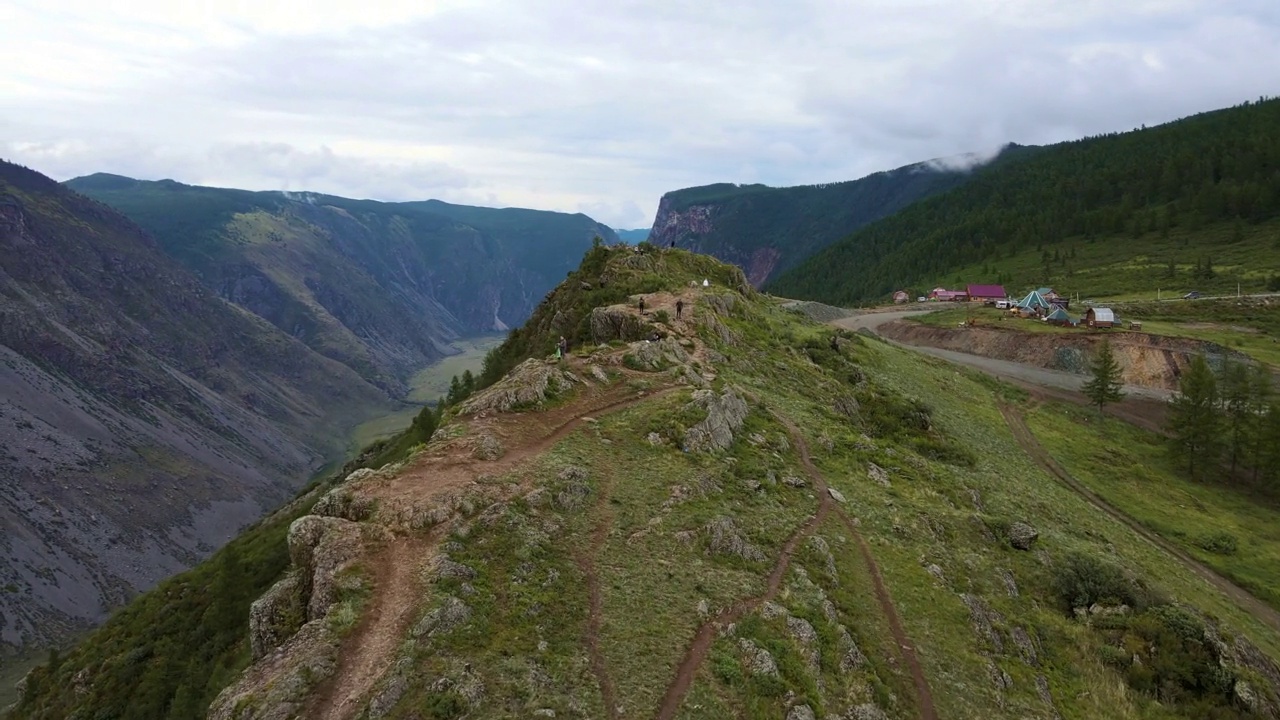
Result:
<point x="687" y="670"/>
<point x="587" y="563"/>
<point x="379" y="632"/>
<point x="1260" y="610"/>
<point x="370" y="650"/>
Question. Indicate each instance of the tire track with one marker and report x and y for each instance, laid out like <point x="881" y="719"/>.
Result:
<point x="1260" y="611"/>
<point x="587" y="563"/>
<point x="687" y="670"/>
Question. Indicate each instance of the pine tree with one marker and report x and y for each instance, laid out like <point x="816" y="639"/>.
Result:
<point x="1260" y="404"/>
<point x="1237" y="393"/>
<point x="1105" y="387"/>
<point x="1195" y="421"/>
<point x="455" y="391"/>
<point x="468" y="383"/>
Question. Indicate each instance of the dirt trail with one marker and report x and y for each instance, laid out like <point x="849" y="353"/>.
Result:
<point x="587" y="563"/>
<point x="370" y="650"/>
<point x="697" y="652"/>
<point x="1261" y="611"/>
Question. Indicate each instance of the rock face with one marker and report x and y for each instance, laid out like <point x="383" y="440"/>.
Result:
<point x="532" y="383"/>
<point x="648" y="355"/>
<point x="725" y="415"/>
<point x="616" y="322"/>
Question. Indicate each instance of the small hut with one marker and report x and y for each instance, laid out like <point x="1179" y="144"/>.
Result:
<point x="1100" y="317"/>
<point x="1034" y="301"/>
<point x="900" y="297"/>
<point x="1058" y="317"/>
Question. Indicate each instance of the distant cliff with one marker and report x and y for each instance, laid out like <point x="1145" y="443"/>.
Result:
<point x="380" y="287"/>
<point x="767" y="230"/>
<point x="143" y="420"/>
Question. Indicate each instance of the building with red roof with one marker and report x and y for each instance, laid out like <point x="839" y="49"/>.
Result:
<point x="987" y="292"/>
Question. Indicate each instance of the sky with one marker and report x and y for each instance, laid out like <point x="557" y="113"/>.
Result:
<point x="596" y="106"/>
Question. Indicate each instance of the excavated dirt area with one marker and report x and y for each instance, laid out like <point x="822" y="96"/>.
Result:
<point x="1153" y="361"/>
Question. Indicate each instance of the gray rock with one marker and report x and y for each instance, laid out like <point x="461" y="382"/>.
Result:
<point x="1026" y="646"/>
<point x="530" y="384"/>
<point x="936" y="571"/>
<point x="340" y="502"/>
<point x="726" y="414"/>
<point x="1010" y="585"/>
<point x="770" y="610"/>
<point x="866" y="711"/>
<point x="835" y="494"/>
<point x="984" y="620"/>
<point x="387" y="697"/>
<point x="878" y="474"/>
<point x="654" y="439"/>
<point x="1022" y="535"/>
<point x="727" y="539"/>
<point x="488" y="447"/>
<point x="846" y="406"/>
<point x="598" y="373"/>
<point x="451" y="614"/>
<point x="447" y="569"/>
<point x="275" y="617"/>
<point x="793" y="481"/>
<point x="759" y="661"/>
<point x="829" y="561"/>
<point x="617" y="322"/>
<point x="851" y="657"/>
<point x="801" y="712"/>
<point x="976" y="498"/>
<point x="1042" y="688"/>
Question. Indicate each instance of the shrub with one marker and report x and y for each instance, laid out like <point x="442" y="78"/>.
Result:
<point x="1081" y="580"/>
<point x="1222" y="543"/>
<point x="662" y="316"/>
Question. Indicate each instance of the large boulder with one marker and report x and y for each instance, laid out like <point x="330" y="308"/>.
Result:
<point x="275" y="617"/>
<point x="617" y="322"/>
<point x="727" y="539"/>
<point x="321" y="548"/>
<point x="725" y="415"/>
<point x="656" y="355"/>
<point x="1022" y="535"/>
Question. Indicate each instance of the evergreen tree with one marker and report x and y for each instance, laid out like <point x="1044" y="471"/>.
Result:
<point x="1105" y="387"/>
<point x="455" y="391"/>
<point x="1195" y="421"/>
<point x="1261" y="401"/>
<point x="1237" y="394"/>
<point x="468" y="383"/>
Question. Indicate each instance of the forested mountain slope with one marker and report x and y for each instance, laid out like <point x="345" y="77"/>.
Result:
<point x="767" y="230"/>
<point x="736" y="519"/>
<point x="379" y="287"/>
<point x="1113" y="214"/>
<point x="143" y="420"/>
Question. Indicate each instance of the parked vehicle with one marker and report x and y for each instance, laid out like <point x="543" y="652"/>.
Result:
<point x="1191" y="295"/>
<point x="1002" y="304"/>
<point x="921" y="299"/>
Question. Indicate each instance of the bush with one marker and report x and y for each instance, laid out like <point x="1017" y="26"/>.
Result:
<point x="1081" y="580"/>
<point x="662" y="316"/>
<point x="1222" y="543"/>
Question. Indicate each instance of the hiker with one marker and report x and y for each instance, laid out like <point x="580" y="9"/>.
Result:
<point x="641" y="306"/>
<point x="679" y="308"/>
<point x="563" y="347"/>
<point x="673" y="244"/>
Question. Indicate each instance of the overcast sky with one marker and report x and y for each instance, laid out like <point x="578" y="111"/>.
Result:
<point x="597" y="107"/>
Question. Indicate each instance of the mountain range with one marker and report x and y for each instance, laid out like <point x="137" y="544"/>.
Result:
<point x="178" y="360"/>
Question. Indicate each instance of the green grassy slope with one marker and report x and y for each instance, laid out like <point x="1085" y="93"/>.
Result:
<point x="615" y="516"/>
<point x="1103" y="215"/>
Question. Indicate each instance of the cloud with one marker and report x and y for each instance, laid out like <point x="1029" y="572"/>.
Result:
<point x="598" y="106"/>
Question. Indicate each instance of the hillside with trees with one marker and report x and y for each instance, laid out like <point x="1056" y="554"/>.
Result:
<point x="1190" y="204"/>
<point x="767" y="230"/>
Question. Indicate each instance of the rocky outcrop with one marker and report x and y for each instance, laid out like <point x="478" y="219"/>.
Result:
<point x="727" y="539"/>
<point x="647" y="355"/>
<point x="276" y="616"/>
<point x="617" y="322"/>
<point x="759" y="660"/>
<point x="726" y="414"/>
<point x="532" y="383"/>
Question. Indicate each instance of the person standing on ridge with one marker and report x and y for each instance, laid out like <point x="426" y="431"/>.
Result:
<point x="679" y="308"/>
<point x="563" y="347"/>
<point x="641" y="305"/>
